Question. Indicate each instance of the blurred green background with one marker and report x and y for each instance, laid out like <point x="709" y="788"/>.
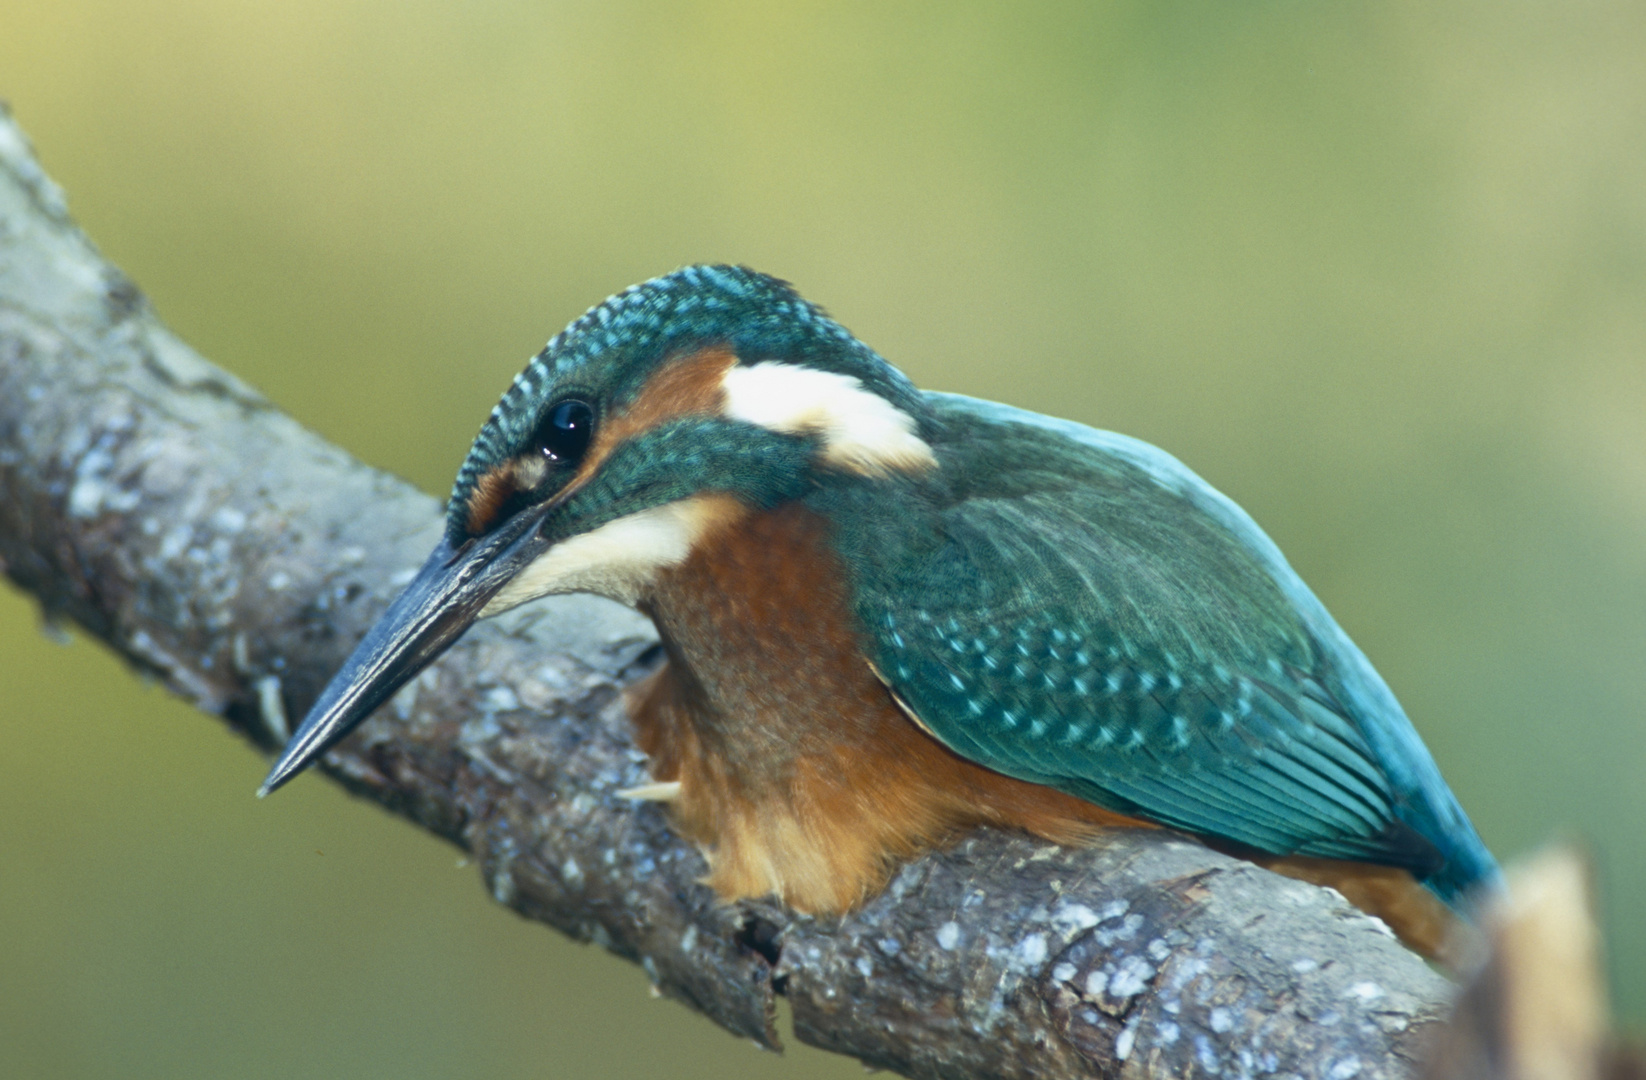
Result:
<point x="1377" y="270"/>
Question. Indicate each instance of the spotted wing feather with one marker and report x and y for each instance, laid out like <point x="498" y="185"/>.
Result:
<point x="1077" y="609"/>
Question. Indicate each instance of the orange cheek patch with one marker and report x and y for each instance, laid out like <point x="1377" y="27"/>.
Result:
<point x="490" y="492"/>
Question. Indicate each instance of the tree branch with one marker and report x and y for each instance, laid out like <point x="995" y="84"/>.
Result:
<point x="174" y="513"/>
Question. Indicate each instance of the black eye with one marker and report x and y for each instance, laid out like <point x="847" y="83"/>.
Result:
<point x="565" y="430"/>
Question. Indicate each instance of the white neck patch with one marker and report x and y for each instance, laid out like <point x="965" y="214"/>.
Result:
<point x="621" y="558"/>
<point x="862" y="432"/>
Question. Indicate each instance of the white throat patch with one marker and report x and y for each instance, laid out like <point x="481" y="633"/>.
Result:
<point x="861" y="431"/>
<point x="621" y="558"/>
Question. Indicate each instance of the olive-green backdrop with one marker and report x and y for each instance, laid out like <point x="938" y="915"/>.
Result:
<point x="1377" y="270"/>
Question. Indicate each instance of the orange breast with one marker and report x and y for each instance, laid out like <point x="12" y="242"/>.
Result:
<point x="799" y="773"/>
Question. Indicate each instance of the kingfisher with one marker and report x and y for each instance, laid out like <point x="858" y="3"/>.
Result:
<point x="892" y="615"/>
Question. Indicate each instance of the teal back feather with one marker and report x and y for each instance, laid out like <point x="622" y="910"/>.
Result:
<point x="1078" y="609"/>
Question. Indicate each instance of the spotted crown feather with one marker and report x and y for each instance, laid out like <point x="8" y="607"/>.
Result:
<point x="609" y="351"/>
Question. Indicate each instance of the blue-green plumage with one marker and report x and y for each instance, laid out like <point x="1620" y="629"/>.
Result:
<point x="1057" y="604"/>
<point x="1076" y="608"/>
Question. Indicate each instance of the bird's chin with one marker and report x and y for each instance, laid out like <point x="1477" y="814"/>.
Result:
<point x="504" y="602"/>
<point x="628" y="590"/>
<point x="621" y="559"/>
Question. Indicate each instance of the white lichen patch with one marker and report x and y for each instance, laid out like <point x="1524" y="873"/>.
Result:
<point x="405" y="700"/>
<point x="175" y="542"/>
<point x="1207" y="1056"/>
<point x="1344" y="1069"/>
<point x="228" y="519"/>
<point x="1126" y="931"/>
<point x="1187" y="972"/>
<point x="96" y="489"/>
<point x="503" y="889"/>
<point x="1073" y="918"/>
<point x="1131" y="977"/>
<point x="271" y="708"/>
<point x="500" y="699"/>
<point x="1123" y="1042"/>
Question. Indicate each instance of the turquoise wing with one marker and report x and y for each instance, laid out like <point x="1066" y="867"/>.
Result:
<point x="1077" y="609"/>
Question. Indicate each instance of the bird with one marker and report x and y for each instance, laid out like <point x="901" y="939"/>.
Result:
<point x="890" y="616"/>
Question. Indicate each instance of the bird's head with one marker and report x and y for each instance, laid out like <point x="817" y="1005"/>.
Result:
<point x="660" y="417"/>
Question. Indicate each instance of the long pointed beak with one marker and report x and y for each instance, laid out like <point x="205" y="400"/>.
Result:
<point x="442" y="602"/>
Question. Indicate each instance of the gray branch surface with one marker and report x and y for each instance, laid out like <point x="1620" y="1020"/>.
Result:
<point x="175" y="514"/>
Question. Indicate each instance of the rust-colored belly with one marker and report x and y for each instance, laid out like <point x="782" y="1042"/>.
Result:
<point x="799" y="774"/>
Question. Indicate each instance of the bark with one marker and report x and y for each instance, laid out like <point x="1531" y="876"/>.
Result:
<point x="170" y="510"/>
